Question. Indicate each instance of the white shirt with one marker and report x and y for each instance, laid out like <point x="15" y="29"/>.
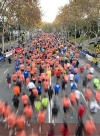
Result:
<point x="68" y="64"/>
<point x="78" y="94"/>
<point x="57" y="57"/>
<point x="71" y="76"/>
<point x="91" y="70"/>
<point x="31" y="85"/>
<point x="94" y="106"/>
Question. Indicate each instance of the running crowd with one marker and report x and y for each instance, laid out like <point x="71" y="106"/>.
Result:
<point x="45" y="57"/>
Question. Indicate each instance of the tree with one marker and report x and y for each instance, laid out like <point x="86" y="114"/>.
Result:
<point x="25" y="13"/>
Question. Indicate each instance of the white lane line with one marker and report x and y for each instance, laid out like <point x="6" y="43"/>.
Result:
<point x="83" y="98"/>
<point x="49" y="112"/>
<point x="6" y="71"/>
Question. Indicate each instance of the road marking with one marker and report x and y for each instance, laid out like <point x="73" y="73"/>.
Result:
<point x="6" y="71"/>
<point x="49" y="112"/>
<point x="83" y="98"/>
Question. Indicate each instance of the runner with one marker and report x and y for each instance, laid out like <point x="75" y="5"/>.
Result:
<point x="8" y="79"/>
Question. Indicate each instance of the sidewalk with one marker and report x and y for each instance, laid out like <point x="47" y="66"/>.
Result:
<point x="7" y="45"/>
<point x="34" y="126"/>
<point x="86" y="44"/>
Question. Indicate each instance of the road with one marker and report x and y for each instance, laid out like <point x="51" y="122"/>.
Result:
<point x="7" y="94"/>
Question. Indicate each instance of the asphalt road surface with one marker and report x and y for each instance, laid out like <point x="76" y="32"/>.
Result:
<point x="7" y="94"/>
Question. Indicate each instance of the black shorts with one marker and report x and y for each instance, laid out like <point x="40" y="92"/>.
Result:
<point x="34" y="81"/>
<point x="65" y="109"/>
<point x="22" y="70"/>
<point x="58" y="77"/>
<point x="54" y="115"/>
<point x="46" y="90"/>
<point x="81" y="71"/>
<point x="30" y="90"/>
<point x="63" y="87"/>
<point x="95" y="86"/>
<point x="39" y="82"/>
<point x="39" y="93"/>
<point x="9" y="82"/>
<point x="24" y="105"/>
<point x="56" y="93"/>
<point x="72" y="103"/>
<point x="16" y="106"/>
<point x="14" y="81"/>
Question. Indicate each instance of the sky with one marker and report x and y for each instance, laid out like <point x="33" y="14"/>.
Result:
<point x="50" y="8"/>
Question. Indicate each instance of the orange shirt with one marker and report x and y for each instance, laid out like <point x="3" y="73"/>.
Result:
<point x="29" y="61"/>
<point x="28" y="68"/>
<point x="34" y="70"/>
<point x="35" y="92"/>
<point x="47" y="78"/>
<point x="22" y="133"/>
<point x="22" y="67"/>
<point x="34" y="134"/>
<point x="73" y="97"/>
<point x="43" y="76"/>
<point x="46" y="84"/>
<point x="97" y="96"/>
<point x="89" y="76"/>
<point x="88" y="94"/>
<point x="33" y="65"/>
<point x="25" y="99"/>
<point x="18" y="73"/>
<point x="90" y="127"/>
<point x="66" y="102"/>
<point x="41" y="117"/>
<point x="11" y="120"/>
<point x="21" y="77"/>
<point x="28" y="111"/>
<point x="20" y="122"/>
<point x="1" y="107"/>
<point x="15" y="57"/>
<point x="14" y="77"/>
<point x="16" y="90"/>
<point x="6" y="111"/>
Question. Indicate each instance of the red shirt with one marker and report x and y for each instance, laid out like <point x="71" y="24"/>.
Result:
<point x="65" y="132"/>
<point x="82" y="68"/>
<point x="81" y="111"/>
<point x="52" y="72"/>
<point x="58" y="73"/>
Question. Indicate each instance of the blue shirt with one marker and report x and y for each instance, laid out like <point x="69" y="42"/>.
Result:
<point x="31" y="48"/>
<point x="57" y="88"/>
<point x="39" y="88"/>
<point x="77" y="77"/>
<point x="16" y="68"/>
<point x="26" y="74"/>
<point x="73" y="86"/>
<point x="17" y="62"/>
<point x="72" y="70"/>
